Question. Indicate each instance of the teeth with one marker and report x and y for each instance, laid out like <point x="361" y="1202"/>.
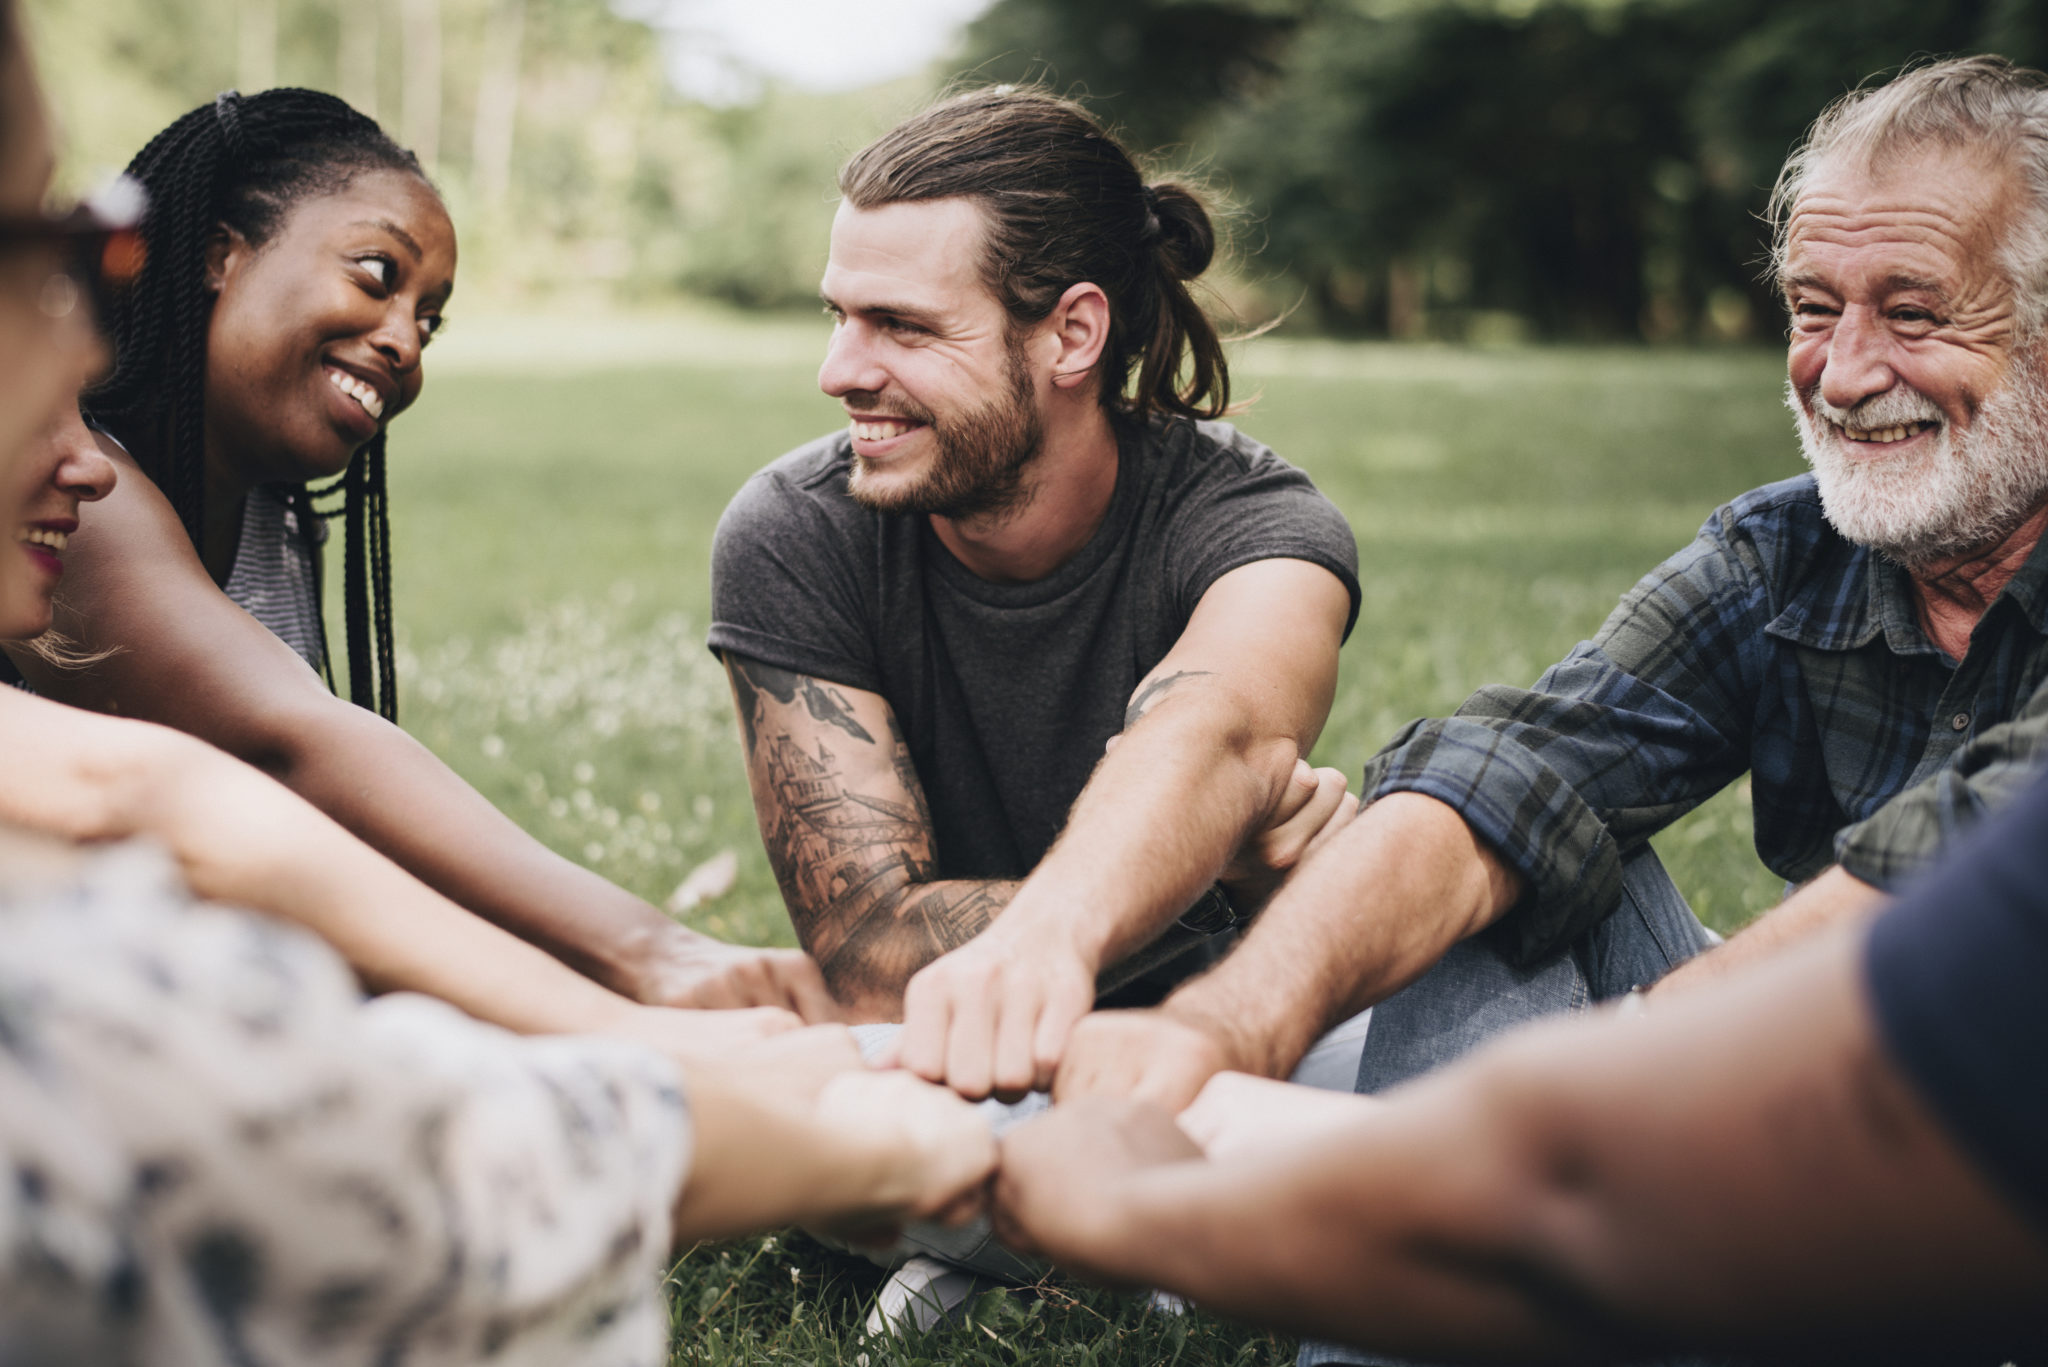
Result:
<point x="1884" y="436"/>
<point x="357" y="390"/>
<point x="43" y="536"/>
<point x="880" y="430"/>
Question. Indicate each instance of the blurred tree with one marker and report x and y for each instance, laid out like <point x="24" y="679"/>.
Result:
<point x="1157" y="67"/>
<point x="1583" y="168"/>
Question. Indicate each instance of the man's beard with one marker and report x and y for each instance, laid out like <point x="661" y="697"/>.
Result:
<point x="1965" y="494"/>
<point x="983" y="456"/>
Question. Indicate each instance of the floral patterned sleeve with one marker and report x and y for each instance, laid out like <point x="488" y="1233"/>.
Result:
<point x="213" y="1150"/>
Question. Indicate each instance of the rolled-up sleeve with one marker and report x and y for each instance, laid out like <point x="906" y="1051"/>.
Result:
<point x="1905" y="835"/>
<point x="1621" y="738"/>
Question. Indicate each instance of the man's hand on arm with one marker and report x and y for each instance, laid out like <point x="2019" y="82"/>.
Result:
<point x="1210" y="746"/>
<point x="1375" y="909"/>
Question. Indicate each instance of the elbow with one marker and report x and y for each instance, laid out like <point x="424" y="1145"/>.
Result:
<point x="285" y="739"/>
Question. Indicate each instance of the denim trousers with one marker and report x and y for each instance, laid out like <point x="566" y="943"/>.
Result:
<point x="1474" y="994"/>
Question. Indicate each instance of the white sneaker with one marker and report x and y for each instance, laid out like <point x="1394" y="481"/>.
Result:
<point x="922" y="1294"/>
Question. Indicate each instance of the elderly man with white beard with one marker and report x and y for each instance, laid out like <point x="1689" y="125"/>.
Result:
<point x="1866" y="642"/>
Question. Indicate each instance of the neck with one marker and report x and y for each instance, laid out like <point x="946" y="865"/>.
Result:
<point x="1070" y="485"/>
<point x="1952" y="595"/>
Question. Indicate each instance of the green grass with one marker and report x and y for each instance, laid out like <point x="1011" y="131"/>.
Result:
<point x="555" y="496"/>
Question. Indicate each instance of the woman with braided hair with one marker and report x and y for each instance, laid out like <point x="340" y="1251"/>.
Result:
<point x="298" y="262"/>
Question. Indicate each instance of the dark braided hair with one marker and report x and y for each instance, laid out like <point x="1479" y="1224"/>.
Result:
<point x="244" y="162"/>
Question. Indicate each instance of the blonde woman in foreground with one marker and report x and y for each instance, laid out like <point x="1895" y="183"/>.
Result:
<point x="211" y="1148"/>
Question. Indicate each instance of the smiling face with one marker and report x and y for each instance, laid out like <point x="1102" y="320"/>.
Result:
<point x="942" y="404"/>
<point x="1921" y="412"/>
<point x="315" y="340"/>
<point x="43" y="361"/>
<point x="63" y="469"/>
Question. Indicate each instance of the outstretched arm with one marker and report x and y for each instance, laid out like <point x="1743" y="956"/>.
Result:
<point x="1379" y="902"/>
<point x="188" y="657"/>
<point x="242" y="839"/>
<point x="1209" y="757"/>
<point x="1743" y="1167"/>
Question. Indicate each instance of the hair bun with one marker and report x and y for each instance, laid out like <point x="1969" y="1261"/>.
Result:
<point x="1176" y="220"/>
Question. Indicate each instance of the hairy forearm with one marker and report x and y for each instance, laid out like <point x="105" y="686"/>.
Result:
<point x="1361" y="920"/>
<point x="422" y="815"/>
<point x="1156" y="824"/>
<point x="1835" y="899"/>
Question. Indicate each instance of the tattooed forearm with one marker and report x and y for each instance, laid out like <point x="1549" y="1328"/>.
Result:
<point x="1151" y="693"/>
<point x="907" y="929"/>
<point x="857" y="868"/>
<point x="751" y="679"/>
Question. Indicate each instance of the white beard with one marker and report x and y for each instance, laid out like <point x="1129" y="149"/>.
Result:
<point x="1961" y="494"/>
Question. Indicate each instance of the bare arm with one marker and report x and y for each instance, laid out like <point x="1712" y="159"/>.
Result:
<point x="797" y="1129"/>
<point x="1742" y="1168"/>
<point x="243" y="840"/>
<point x="1219" y="727"/>
<point x="189" y="658"/>
<point x="1836" y="898"/>
<point x="1369" y="913"/>
<point x="844" y="819"/>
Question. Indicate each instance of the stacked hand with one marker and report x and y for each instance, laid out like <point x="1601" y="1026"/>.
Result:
<point x="1311" y="810"/>
<point x="1008" y="1013"/>
<point x="1064" y="1174"/>
<point x="686" y="969"/>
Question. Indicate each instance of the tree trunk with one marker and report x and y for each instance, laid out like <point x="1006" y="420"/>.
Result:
<point x="497" y="103"/>
<point x="256" y="45"/>
<point x="358" y="57"/>
<point x="420" y="110"/>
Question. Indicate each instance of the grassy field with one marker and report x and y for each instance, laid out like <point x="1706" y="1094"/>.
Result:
<point x="555" y="495"/>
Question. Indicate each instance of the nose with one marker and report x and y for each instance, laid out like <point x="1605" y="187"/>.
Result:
<point x="83" y="470"/>
<point x="851" y="364"/>
<point x="1858" y="362"/>
<point x="397" y="338"/>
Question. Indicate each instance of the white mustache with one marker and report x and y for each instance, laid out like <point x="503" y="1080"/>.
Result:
<point x="1893" y="408"/>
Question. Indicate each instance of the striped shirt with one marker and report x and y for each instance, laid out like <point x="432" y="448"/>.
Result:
<point x="276" y="578"/>
<point x="1771" y="646"/>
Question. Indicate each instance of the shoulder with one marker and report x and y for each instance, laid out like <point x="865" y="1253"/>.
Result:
<point x="1197" y="465"/>
<point x="800" y="497"/>
<point x="1194" y="449"/>
<point x="1780" y="530"/>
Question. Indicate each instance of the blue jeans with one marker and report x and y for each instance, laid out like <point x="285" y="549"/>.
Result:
<point x="1474" y="994"/>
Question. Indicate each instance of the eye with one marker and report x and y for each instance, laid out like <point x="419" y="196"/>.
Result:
<point x="378" y="268"/>
<point x="430" y="326"/>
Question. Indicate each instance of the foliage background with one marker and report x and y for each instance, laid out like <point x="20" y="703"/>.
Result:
<point x="1468" y="169"/>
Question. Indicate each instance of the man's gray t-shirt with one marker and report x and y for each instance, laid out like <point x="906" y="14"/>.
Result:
<point x="1006" y="692"/>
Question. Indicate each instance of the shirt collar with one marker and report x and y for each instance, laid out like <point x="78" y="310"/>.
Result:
<point x="1860" y="595"/>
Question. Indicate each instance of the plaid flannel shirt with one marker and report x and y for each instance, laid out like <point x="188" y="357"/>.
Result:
<point x="1769" y="645"/>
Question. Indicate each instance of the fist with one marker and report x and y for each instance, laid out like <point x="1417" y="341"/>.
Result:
<point x="1147" y="1056"/>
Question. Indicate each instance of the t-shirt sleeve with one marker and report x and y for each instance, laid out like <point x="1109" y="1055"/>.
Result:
<point x="1271" y="511"/>
<point x="1955" y="970"/>
<point x="787" y="584"/>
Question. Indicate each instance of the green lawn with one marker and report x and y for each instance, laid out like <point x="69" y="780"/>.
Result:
<point x="555" y="495"/>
